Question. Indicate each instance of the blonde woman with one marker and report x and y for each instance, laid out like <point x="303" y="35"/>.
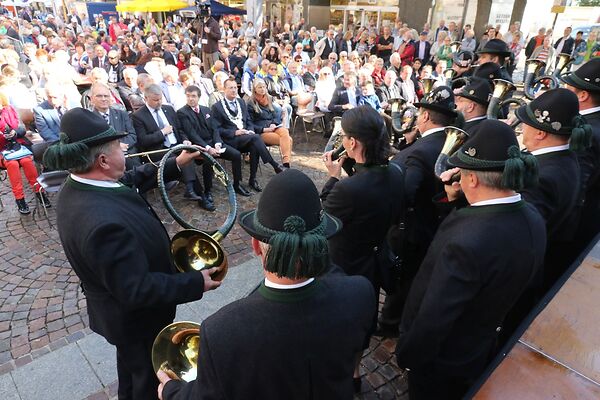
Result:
<point x="266" y="118"/>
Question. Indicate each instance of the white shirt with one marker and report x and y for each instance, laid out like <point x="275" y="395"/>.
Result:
<point x="274" y="285"/>
<point x="500" y="200"/>
<point x="561" y="44"/>
<point x="476" y="118"/>
<point x="551" y="149"/>
<point x="589" y="110"/>
<point x="432" y="130"/>
<point x="95" y="182"/>
<point x="170" y="139"/>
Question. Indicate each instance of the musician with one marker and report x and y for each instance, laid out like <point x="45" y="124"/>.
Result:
<point x="118" y="247"/>
<point x="465" y="286"/>
<point x="472" y="101"/>
<point x="157" y="128"/>
<point x="585" y="83"/>
<point x="461" y="64"/>
<point x="436" y="111"/>
<point x="231" y="122"/>
<point x="496" y="51"/>
<point x="552" y="131"/>
<point x="297" y="335"/>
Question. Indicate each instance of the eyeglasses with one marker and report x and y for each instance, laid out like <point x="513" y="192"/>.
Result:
<point x="113" y="58"/>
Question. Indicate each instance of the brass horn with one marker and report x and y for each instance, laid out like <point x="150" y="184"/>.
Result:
<point x="498" y="100"/>
<point x="193" y="249"/>
<point x="175" y="349"/>
<point x="455" y="47"/>
<point x="563" y="64"/>
<point x="428" y="85"/>
<point x="404" y="115"/>
<point x="533" y="69"/>
<point x="449" y="74"/>
<point x="455" y="137"/>
<point x="335" y="140"/>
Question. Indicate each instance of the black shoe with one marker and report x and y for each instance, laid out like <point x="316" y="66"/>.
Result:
<point x="357" y="382"/>
<point x="386" y="331"/>
<point x="206" y="204"/>
<point x="208" y="197"/>
<point x="254" y="185"/>
<point x="278" y="169"/>
<point x="23" y="207"/>
<point x="242" y="191"/>
<point x="191" y="195"/>
<point x="286" y="165"/>
<point x="43" y="199"/>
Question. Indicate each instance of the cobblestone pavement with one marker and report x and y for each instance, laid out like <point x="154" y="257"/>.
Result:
<point x="42" y="308"/>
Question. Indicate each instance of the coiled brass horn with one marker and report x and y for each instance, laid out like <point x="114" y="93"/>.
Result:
<point x="455" y="47"/>
<point x="563" y="64"/>
<point x="175" y="350"/>
<point x="428" y="85"/>
<point x="449" y="75"/>
<point x="455" y="137"/>
<point x="498" y="100"/>
<point x="404" y="115"/>
<point x="533" y="69"/>
<point x="193" y="249"/>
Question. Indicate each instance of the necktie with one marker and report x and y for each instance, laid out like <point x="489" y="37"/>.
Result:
<point x="232" y="107"/>
<point x="197" y="110"/>
<point x="227" y="67"/>
<point x="159" y="120"/>
<point x="60" y="112"/>
<point x="106" y="117"/>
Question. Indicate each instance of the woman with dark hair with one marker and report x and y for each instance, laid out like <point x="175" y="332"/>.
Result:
<point x="266" y="118"/>
<point x="128" y="57"/>
<point x="141" y="64"/>
<point x="272" y="54"/>
<point x="183" y="60"/>
<point x="367" y="202"/>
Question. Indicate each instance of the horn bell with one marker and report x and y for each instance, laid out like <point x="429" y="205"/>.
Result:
<point x="194" y="250"/>
<point x="176" y="349"/>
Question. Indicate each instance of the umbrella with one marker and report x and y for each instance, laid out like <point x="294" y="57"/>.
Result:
<point x="151" y="6"/>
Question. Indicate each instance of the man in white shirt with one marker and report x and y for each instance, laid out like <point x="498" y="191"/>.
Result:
<point x="407" y="85"/>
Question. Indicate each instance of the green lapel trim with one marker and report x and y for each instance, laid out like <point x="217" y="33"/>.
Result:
<point x="289" y="295"/>
<point x="82" y="186"/>
<point x="493" y="208"/>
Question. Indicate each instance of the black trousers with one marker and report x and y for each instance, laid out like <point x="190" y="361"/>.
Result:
<point x="137" y="380"/>
<point x="231" y="154"/>
<point x="254" y="145"/>
<point x="207" y="178"/>
<point x="429" y="385"/>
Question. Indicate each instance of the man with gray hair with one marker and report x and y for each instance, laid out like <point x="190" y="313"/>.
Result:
<point x="248" y="77"/>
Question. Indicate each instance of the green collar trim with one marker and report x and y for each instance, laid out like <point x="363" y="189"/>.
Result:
<point x="492" y="208"/>
<point x="289" y="295"/>
<point x="82" y="186"/>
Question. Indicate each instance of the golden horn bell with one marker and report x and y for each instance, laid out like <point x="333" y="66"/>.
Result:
<point x="428" y="85"/>
<point x="194" y="250"/>
<point x="176" y="349"/>
<point x="455" y="137"/>
<point x="455" y="46"/>
<point x="502" y="88"/>
<point x="534" y="66"/>
<point x="564" y="59"/>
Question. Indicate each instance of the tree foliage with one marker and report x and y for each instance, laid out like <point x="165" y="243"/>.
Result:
<point x="588" y="3"/>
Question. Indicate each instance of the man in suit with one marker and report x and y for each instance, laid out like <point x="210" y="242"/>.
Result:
<point x="157" y="127"/>
<point x="307" y="327"/>
<point x="325" y="46"/>
<point x="231" y="122"/>
<point x="346" y="97"/>
<point x="120" y="251"/>
<point x="465" y="287"/>
<point x="170" y="53"/>
<point x="436" y="111"/>
<point x="311" y="75"/>
<point x="197" y="127"/>
<point x="100" y="99"/>
<point x="232" y="64"/>
<point x="441" y="27"/>
<point x="423" y="48"/>
<point x="565" y="43"/>
<point x="585" y="83"/>
<point x="48" y="114"/>
<point x="172" y="89"/>
<point x="129" y="91"/>
<point x="101" y="60"/>
<point x="472" y="101"/>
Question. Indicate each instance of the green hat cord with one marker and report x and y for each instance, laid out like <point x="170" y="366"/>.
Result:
<point x="581" y="135"/>
<point x="66" y="155"/>
<point x="520" y="169"/>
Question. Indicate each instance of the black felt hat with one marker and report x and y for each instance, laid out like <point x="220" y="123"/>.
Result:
<point x="80" y="130"/>
<point x="440" y="99"/>
<point x="478" y="90"/>
<point x="495" y="46"/>
<point x="488" y="70"/>
<point x="289" y="217"/>
<point x="463" y="58"/>
<point x="587" y="77"/>
<point x="493" y="146"/>
<point x="557" y="111"/>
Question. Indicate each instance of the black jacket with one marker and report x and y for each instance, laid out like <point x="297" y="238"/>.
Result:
<point x="149" y="136"/>
<point x="469" y="126"/>
<point x="310" y="80"/>
<point x="264" y="118"/>
<point x="567" y="47"/>
<point x="340" y="98"/>
<point x="198" y="128"/>
<point x="298" y="344"/>
<point x="224" y="126"/>
<point x="120" y="121"/>
<point x="589" y="163"/>
<point x="121" y="254"/>
<point x="367" y="203"/>
<point x="466" y="285"/>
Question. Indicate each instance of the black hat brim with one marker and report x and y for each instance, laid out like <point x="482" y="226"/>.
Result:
<point x="247" y="221"/>
<point x="437" y="108"/>
<point x="455" y="162"/>
<point x="473" y="98"/>
<point x="582" y="85"/>
<point x="497" y="52"/>
<point x="106" y="139"/>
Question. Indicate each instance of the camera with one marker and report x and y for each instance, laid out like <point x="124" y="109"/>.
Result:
<point x="203" y="7"/>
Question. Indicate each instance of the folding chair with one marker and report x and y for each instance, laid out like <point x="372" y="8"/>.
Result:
<point x="49" y="182"/>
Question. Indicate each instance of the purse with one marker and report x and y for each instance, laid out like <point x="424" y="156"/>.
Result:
<point x="16" y="153"/>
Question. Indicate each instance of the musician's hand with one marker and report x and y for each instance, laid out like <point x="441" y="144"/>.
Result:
<point x="124" y="146"/>
<point x="452" y="188"/>
<point x="163" y="377"/>
<point x="333" y="167"/>
<point x="187" y="156"/>
<point x="209" y="284"/>
<point x="411" y="136"/>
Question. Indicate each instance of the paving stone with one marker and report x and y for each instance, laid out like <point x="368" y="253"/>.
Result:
<point x="8" y="388"/>
<point x="101" y="356"/>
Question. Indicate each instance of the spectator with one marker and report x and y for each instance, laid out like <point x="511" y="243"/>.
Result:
<point x="545" y="53"/>
<point x="579" y="50"/>
<point x="535" y="42"/>
<point x="368" y="97"/>
<point x="248" y="78"/>
<point x="128" y="56"/>
<point x="468" y="43"/>
<point x="385" y="44"/>
<point x="48" y="114"/>
<point x="444" y="53"/>
<point x="115" y="67"/>
<point x="183" y="61"/>
<point x="173" y="91"/>
<point x="422" y="48"/>
<point x="437" y="44"/>
<point x="378" y="72"/>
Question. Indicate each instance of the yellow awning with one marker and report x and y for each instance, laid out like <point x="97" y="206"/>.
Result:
<point x="151" y="6"/>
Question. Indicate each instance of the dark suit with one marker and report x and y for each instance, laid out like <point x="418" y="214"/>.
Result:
<point x="169" y="58"/>
<point x="105" y="63"/>
<point x="469" y="126"/>
<point x="301" y="344"/>
<point x="121" y="254"/>
<point x="132" y="98"/>
<point x="118" y="71"/>
<point x="327" y="49"/>
<point x="310" y="80"/>
<point x="47" y="121"/>
<point x="340" y="98"/>
<point x="427" y="50"/>
<point x="243" y="143"/>
<point x="462" y="293"/>
<point x="150" y="137"/>
<point x="120" y="121"/>
<point x="567" y="46"/>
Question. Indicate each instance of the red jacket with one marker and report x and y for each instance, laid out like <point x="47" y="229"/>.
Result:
<point x="408" y="55"/>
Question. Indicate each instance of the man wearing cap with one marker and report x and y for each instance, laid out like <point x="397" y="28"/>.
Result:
<point x="465" y="286"/>
<point x="436" y="111"/>
<point x="472" y="101"/>
<point x="552" y="131"/>
<point x="118" y="247"/>
<point x="299" y="332"/>
<point x="585" y="83"/>
<point x="495" y="51"/>
<point x="461" y="63"/>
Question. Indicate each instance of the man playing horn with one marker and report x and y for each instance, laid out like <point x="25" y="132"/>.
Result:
<point x="118" y="247"/>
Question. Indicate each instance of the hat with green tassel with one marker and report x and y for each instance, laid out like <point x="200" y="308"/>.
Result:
<point x="80" y="130"/>
<point x="557" y="112"/>
<point x="289" y="218"/>
<point x="493" y="146"/>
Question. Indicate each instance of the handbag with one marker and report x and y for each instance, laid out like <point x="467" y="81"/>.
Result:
<point x="16" y="153"/>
